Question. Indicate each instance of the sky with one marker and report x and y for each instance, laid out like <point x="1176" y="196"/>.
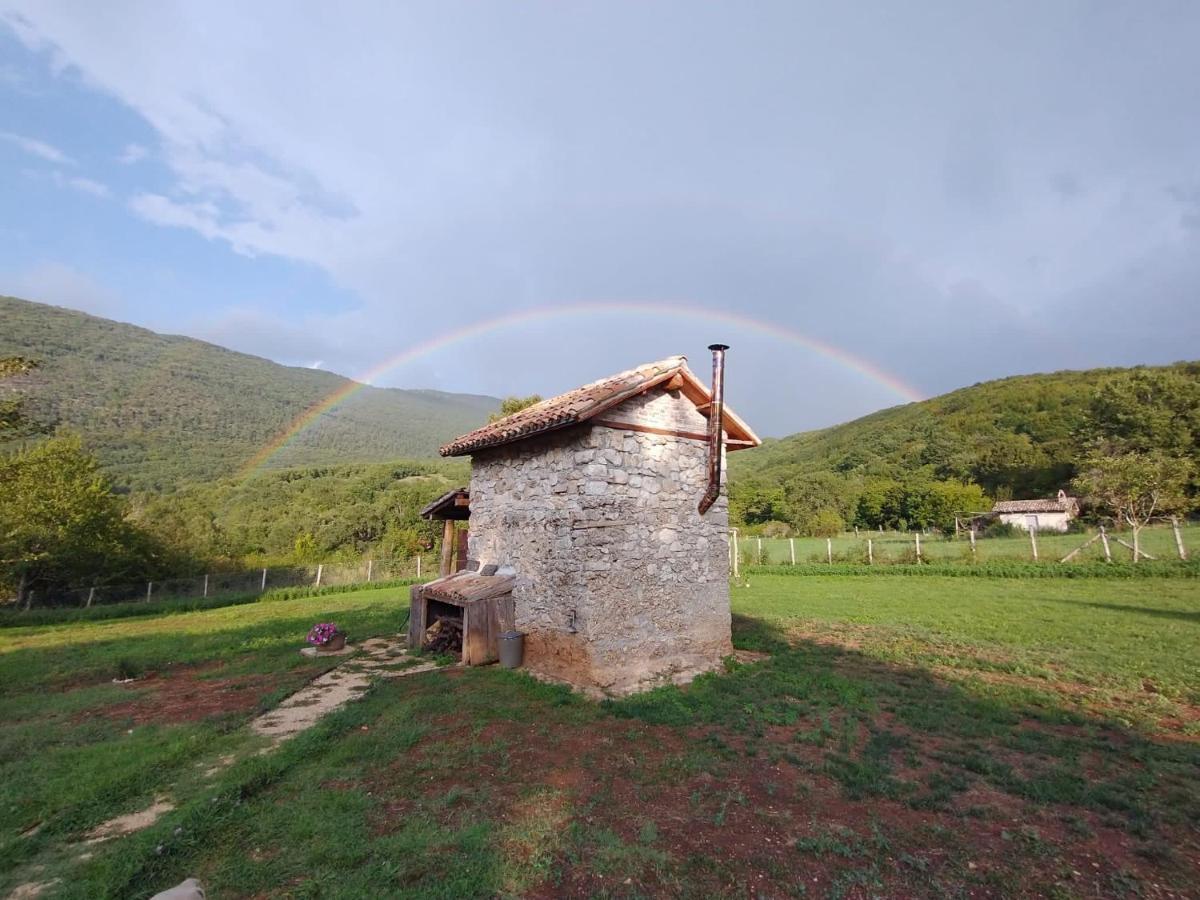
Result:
<point x="870" y="202"/>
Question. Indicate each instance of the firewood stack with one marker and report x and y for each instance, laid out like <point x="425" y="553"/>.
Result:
<point x="444" y="636"/>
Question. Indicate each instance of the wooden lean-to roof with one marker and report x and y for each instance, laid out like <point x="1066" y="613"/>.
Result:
<point x="584" y="403"/>
<point x="455" y="504"/>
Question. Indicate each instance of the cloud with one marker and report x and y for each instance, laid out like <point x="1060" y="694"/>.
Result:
<point x="132" y="153"/>
<point x="37" y="148"/>
<point x="79" y="183"/>
<point x="933" y="193"/>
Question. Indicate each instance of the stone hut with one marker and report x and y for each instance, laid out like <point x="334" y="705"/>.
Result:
<point x="1050" y="514"/>
<point x="588" y="505"/>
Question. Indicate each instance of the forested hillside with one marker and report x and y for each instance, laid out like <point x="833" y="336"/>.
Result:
<point x="916" y="465"/>
<point x="309" y="514"/>
<point x="160" y="411"/>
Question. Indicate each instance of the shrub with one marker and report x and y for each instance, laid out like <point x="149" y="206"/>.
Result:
<point x="998" y="529"/>
<point x="826" y="523"/>
<point x="777" y="529"/>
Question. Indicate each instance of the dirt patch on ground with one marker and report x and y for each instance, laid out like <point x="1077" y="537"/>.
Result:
<point x="624" y="808"/>
<point x="191" y="694"/>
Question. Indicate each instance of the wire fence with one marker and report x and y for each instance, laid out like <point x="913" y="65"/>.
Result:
<point x="1162" y="541"/>
<point x="249" y="581"/>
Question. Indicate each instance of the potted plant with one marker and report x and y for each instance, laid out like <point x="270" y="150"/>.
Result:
<point x="326" y="637"/>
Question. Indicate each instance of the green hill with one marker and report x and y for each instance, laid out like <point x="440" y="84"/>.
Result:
<point x="1016" y="437"/>
<point x="162" y="410"/>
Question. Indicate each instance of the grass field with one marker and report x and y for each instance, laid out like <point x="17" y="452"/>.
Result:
<point x="906" y="737"/>
<point x="892" y="547"/>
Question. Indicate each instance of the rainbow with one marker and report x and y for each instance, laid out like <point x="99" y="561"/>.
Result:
<point x="540" y="314"/>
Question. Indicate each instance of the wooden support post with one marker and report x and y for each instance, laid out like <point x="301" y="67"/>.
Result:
<point x="91" y="597"/>
<point x="320" y="571"/>
<point x="370" y="565"/>
<point x="737" y="556"/>
<point x="1033" y="542"/>
<point x="972" y="543"/>
<point x="1182" y="550"/>
<point x="829" y="550"/>
<point x="1080" y="548"/>
<point x="205" y="585"/>
<point x="792" y="549"/>
<point x="1137" y="551"/>
<point x="447" y="547"/>
<point x="870" y="553"/>
<point x="957" y="527"/>
<point x="149" y="590"/>
<point x="1104" y="541"/>
<point x="418" y="565"/>
<point x="758" y="560"/>
<point x="917" y="538"/>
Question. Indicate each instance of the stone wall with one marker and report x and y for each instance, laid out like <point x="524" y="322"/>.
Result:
<point x="621" y="584"/>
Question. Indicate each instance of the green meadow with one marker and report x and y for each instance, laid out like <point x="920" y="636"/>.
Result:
<point x="880" y="736"/>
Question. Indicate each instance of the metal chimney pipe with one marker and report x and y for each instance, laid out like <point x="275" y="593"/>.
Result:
<point x="716" y="427"/>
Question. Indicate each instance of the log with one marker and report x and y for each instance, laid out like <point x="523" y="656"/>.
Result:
<point x="444" y="636"/>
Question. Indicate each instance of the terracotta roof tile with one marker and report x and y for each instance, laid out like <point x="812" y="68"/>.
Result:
<point x="1067" y="504"/>
<point x="567" y="409"/>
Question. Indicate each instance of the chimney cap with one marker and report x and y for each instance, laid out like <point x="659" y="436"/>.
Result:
<point x="718" y="346"/>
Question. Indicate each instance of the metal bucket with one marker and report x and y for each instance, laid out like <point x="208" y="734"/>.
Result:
<point x="512" y="649"/>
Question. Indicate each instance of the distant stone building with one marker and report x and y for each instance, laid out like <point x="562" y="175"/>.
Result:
<point x="586" y="504"/>
<point x="1040" y="515"/>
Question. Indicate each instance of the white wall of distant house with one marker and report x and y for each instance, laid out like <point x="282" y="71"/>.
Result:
<point x="1045" y="521"/>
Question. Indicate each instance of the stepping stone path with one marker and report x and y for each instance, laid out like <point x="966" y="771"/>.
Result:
<point x="380" y="658"/>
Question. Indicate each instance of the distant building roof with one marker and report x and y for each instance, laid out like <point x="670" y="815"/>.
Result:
<point x="583" y="403"/>
<point x="1062" y="503"/>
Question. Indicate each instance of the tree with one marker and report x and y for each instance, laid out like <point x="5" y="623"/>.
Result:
<point x="1146" y="410"/>
<point x="14" y="423"/>
<point x="510" y="405"/>
<point x="1135" y="487"/>
<point x="60" y="523"/>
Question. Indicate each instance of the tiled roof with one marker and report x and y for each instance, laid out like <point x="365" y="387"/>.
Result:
<point x="585" y="402"/>
<point x="1067" y="504"/>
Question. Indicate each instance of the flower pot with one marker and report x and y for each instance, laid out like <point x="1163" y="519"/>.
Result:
<point x="335" y="643"/>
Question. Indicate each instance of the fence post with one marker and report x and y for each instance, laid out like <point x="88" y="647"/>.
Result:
<point x="1104" y="541"/>
<point x="320" y="571"/>
<point x="758" y="559"/>
<point x="917" y="539"/>
<point x="829" y="550"/>
<point x="870" y="553"/>
<point x="1033" y="542"/>
<point x="370" y="565"/>
<point x="149" y="590"/>
<point x="1178" y="539"/>
<point x="91" y="596"/>
<point x="205" y="585"/>
<point x="418" y="565"/>
<point x="792" y="548"/>
<point x="972" y="543"/>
